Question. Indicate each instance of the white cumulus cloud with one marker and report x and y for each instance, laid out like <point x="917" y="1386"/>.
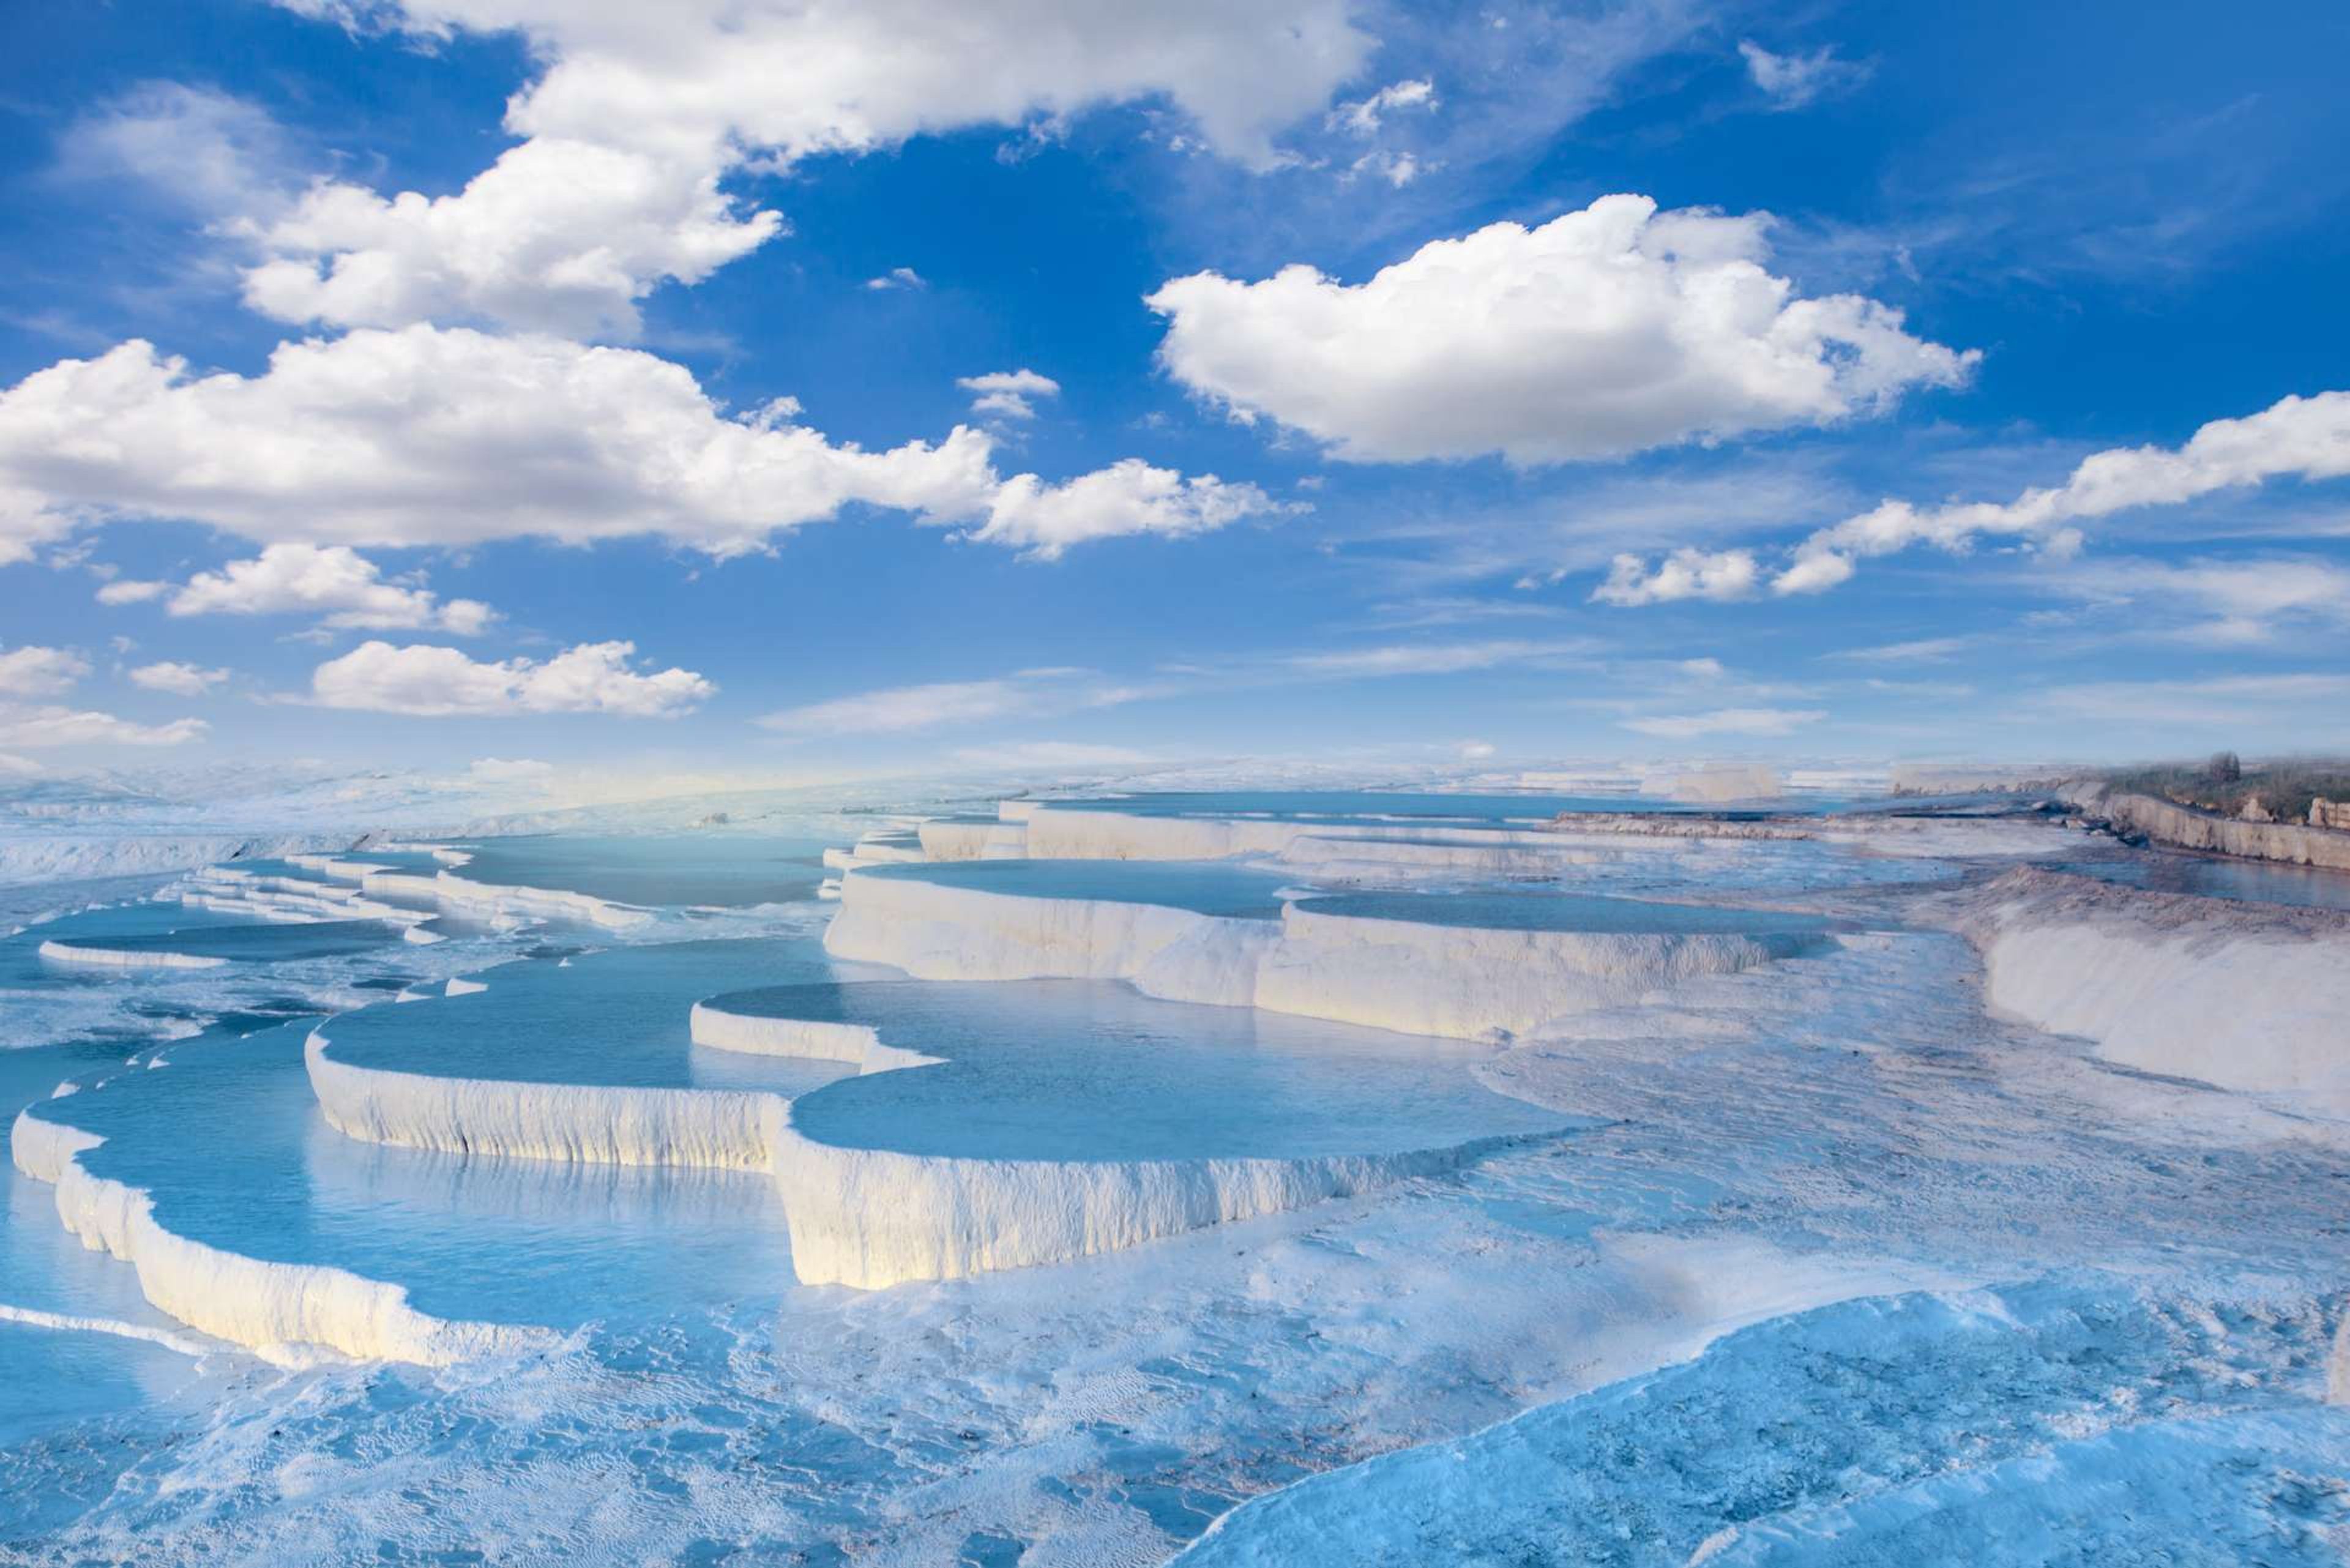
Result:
<point x="1128" y="497"/>
<point x="451" y="436"/>
<point x="334" y="581"/>
<point x="37" y="671"/>
<point x="428" y="436"/>
<point x="558" y="235"/>
<point x="1604" y="332"/>
<point x="642" y="112"/>
<point x="180" y="679"/>
<point x="425" y="679"/>
<point x="130" y="591"/>
<point x="1686" y="574"/>
<point x="1009" y="394"/>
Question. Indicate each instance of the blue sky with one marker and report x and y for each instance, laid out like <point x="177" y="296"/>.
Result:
<point x="1486" y="383"/>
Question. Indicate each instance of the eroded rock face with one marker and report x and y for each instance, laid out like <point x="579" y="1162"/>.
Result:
<point x="2331" y="813"/>
<point x="2290" y="843"/>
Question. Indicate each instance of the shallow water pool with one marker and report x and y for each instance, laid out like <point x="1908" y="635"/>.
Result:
<point x="713" y="870"/>
<point x="619" y="1018"/>
<point x="231" y="1145"/>
<point x="1562" y="912"/>
<point x="1204" y="887"/>
<point x="1358" y="806"/>
<point x="281" y="942"/>
<point x="1093" y="1070"/>
<point x="2209" y="876"/>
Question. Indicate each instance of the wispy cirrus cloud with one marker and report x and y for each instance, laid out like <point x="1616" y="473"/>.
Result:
<point x="944" y="704"/>
<point x="2244" y="599"/>
<point x="1405" y="658"/>
<point x="1795" y="80"/>
<point x="1749" y="722"/>
<point x="1917" y="650"/>
<point x="42" y="727"/>
<point x="2307" y="701"/>
<point x="1059" y="692"/>
<point x="2296" y="438"/>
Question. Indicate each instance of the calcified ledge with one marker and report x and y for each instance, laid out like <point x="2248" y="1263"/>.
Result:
<point x="755" y="1034"/>
<point x="1458" y="981"/>
<point x="1069" y="834"/>
<point x="1571" y="838"/>
<point x="2247" y="996"/>
<point x="489" y="901"/>
<point x="871" y="1218"/>
<point x="862" y="1218"/>
<point x="286" y="1313"/>
<point x="712" y="1128"/>
<point x="289" y="899"/>
<point x="1532" y="857"/>
<point x="728" y="1129"/>
<point x="125" y="958"/>
<point x="956" y="839"/>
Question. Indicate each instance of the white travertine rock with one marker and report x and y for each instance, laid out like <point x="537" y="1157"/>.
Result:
<point x="490" y="900"/>
<point x="943" y="840"/>
<point x="865" y="1218"/>
<point x="2242" y="995"/>
<point x="283" y="1311"/>
<point x="722" y="1128"/>
<point x="873" y="1218"/>
<point x="754" y="1034"/>
<point x="124" y="958"/>
<point x="1457" y="982"/>
<point x="1528" y="860"/>
<point x="1466" y="983"/>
